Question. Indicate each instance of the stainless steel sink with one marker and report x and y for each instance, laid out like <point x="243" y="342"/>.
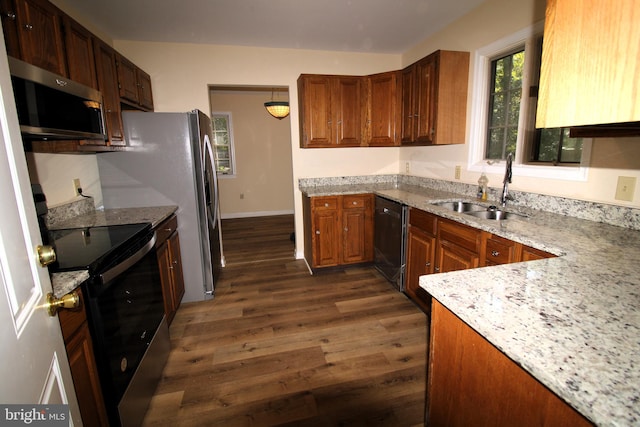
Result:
<point x="462" y="207"/>
<point x="495" y="215"/>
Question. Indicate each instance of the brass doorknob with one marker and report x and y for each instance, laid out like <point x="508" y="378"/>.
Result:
<point x="71" y="300"/>
<point x="46" y="255"/>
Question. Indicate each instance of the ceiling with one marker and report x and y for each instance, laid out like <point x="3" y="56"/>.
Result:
<point x="373" y="26"/>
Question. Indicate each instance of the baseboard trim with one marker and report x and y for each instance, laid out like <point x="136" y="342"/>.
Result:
<point x="255" y="214"/>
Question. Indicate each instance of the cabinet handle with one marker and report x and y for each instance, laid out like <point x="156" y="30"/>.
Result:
<point x="428" y="264"/>
<point x="437" y="269"/>
<point x="10" y="15"/>
<point x="28" y="27"/>
<point x="317" y="231"/>
<point x="495" y="253"/>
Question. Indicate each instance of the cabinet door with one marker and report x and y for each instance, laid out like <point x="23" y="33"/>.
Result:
<point x="164" y="263"/>
<point x="425" y="106"/>
<point x="9" y="15"/>
<point x="346" y="99"/>
<point x="357" y="229"/>
<point x="314" y="94"/>
<point x="458" y="246"/>
<point x="79" y="50"/>
<point x="452" y="257"/>
<point x="420" y="261"/>
<point x="177" y="279"/>
<point x="85" y="378"/>
<point x="128" y="87"/>
<point x="382" y="109"/>
<point x="145" y="94"/>
<point x="107" y="72"/>
<point x="325" y="231"/>
<point x="408" y="111"/>
<point x="39" y="29"/>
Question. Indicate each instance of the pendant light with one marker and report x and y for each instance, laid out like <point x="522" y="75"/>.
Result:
<point x="278" y="109"/>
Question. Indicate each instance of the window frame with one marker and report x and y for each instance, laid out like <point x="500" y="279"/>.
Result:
<point x="232" y="152"/>
<point x="480" y="114"/>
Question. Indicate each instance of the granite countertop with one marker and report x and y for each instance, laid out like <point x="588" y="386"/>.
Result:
<point x="63" y="283"/>
<point x="573" y="321"/>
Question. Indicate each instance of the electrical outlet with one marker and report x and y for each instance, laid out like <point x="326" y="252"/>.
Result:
<point x="625" y="189"/>
<point x="76" y="185"/>
<point x="458" y="169"/>
<point x="406" y="167"/>
<point x="241" y="196"/>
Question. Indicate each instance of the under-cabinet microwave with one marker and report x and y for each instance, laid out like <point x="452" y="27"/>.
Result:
<point x="53" y="107"/>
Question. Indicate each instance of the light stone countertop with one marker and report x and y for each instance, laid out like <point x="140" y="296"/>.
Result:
<point x="65" y="282"/>
<point x="573" y="321"/>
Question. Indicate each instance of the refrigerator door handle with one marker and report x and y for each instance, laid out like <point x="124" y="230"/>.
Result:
<point x="207" y="154"/>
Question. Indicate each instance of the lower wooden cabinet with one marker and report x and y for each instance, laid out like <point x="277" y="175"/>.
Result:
<point x="440" y="245"/>
<point x="471" y="383"/>
<point x="75" y="331"/>
<point x="338" y="230"/>
<point x="170" y="263"/>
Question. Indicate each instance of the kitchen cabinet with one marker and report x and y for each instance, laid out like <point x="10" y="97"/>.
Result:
<point x="339" y="230"/>
<point x="84" y="371"/>
<point x="79" y="53"/>
<point x="382" y="110"/>
<point x="421" y="255"/>
<point x="33" y="33"/>
<point x="134" y="85"/>
<point x="590" y="59"/>
<point x="107" y="73"/>
<point x="170" y="263"/>
<point x="434" y="99"/>
<point x="531" y="254"/>
<point x="471" y="382"/>
<point x="330" y="111"/>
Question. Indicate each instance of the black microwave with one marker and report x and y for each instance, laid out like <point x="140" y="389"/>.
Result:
<point x="52" y="107"/>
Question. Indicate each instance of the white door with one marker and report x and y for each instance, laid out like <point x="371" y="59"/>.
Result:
<point x="34" y="367"/>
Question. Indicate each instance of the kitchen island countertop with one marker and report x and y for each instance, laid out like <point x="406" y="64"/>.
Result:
<point x="63" y="283"/>
<point x="573" y="321"/>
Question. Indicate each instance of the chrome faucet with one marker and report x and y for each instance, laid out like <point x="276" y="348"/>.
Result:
<point x="508" y="173"/>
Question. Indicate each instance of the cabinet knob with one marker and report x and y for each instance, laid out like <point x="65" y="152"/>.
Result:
<point x="346" y="229"/>
<point x="437" y="269"/>
<point x="317" y="231"/>
<point x="10" y="15"/>
<point x="428" y="264"/>
<point x="495" y="253"/>
<point x="28" y="27"/>
<point x="326" y="205"/>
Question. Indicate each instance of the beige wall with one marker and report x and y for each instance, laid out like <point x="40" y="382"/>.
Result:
<point x="491" y="21"/>
<point x="262" y="184"/>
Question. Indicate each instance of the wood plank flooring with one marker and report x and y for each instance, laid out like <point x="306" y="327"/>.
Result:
<point x="279" y="347"/>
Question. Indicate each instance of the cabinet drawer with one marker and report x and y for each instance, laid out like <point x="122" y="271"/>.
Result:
<point x="460" y="235"/>
<point x="320" y="203"/>
<point x="354" y="201"/>
<point x="423" y="220"/>
<point x="166" y="229"/>
<point x="501" y="250"/>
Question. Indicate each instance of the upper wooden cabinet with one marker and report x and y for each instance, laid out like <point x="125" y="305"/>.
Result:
<point x="134" y="84"/>
<point x="107" y="72"/>
<point x="330" y="111"/>
<point x="434" y="99"/>
<point x="382" y="110"/>
<point x="79" y="53"/>
<point x="33" y="33"/>
<point x="590" y="60"/>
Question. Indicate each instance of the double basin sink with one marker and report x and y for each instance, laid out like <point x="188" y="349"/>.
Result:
<point x="477" y="210"/>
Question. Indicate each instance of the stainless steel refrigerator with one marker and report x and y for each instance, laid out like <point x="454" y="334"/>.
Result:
<point x="171" y="162"/>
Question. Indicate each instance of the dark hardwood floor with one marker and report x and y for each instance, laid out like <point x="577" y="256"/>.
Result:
<point x="278" y="346"/>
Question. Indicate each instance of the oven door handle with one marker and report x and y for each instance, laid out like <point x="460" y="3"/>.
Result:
<point x="114" y="272"/>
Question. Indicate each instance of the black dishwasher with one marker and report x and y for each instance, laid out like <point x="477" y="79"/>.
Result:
<point x="390" y="240"/>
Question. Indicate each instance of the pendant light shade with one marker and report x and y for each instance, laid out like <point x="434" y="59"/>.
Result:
<point x="278" y="109"/>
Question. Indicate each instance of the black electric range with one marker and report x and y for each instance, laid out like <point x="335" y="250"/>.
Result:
<point x="96" y="248"/>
